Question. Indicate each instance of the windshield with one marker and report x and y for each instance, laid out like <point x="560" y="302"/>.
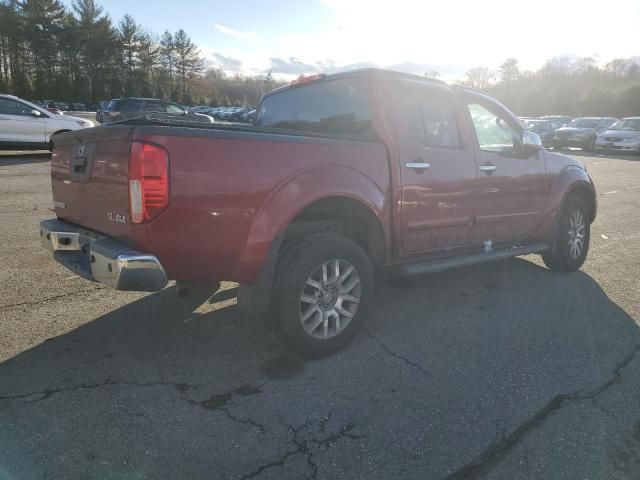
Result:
<point x="584" y="123"/>
<point x="628" y="124"/>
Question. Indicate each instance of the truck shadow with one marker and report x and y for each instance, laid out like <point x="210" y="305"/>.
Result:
<point x="162" y="335"/>
<point x="452" y="338"/>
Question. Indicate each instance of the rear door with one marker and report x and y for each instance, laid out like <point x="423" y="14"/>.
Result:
<point x="18" y="125"/>
<point x="511" y="189"/>
<point x="437" y="169"/>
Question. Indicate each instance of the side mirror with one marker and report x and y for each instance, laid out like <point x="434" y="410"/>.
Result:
<point x="35" y="113"/>
<point x="531" y="143"/>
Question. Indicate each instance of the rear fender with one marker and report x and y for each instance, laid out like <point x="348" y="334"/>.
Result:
<point x="292" y="196"/>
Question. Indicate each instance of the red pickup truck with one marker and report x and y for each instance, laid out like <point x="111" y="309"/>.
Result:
<point x="340" y="179"/>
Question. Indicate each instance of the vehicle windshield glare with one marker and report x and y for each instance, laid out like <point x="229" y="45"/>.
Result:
<point x="628" y="124"/>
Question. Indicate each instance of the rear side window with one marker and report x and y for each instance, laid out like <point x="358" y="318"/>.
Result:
<point x="431" y="118"/>
<point x="155" y="107"/>
<point x="124" y="106"/>
<point x="335" y="107"/>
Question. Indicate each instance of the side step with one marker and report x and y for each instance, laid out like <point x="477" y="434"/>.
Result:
<point x="447" y="263"/>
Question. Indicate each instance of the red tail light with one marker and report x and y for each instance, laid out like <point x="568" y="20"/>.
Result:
<point x="148" y="181"/>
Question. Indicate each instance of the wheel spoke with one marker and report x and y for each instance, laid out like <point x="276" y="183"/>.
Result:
<point x="336" y="269"/>
<point x="345" y="274"/>
<point x="344" y="311"/>
<point x="311" y="300"/>
<point x="325" y="324"/>
<point x="315" y="284"/>
<point x="310" y="311"/>
<point x="349" y="298"/>
<point x="315" y="324"/>
<point x="324" y="273"/>
<point x="350" y="285"/>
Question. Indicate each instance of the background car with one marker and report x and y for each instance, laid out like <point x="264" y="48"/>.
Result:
<point x="227" y="114"/>
<point x="133" y="107"/>
<point x="24" y="125"/>
<point x="563" y="120"/>
<point x="99" y="108"/>
<point x="622" y="135"/>
<point x="581" y="132"/>
<point x="544" y="128"/>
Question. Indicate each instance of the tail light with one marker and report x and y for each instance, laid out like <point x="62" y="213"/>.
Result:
<point x="148" y="181"/>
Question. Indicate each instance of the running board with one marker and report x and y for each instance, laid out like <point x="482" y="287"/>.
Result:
<point x="447" y="263"/>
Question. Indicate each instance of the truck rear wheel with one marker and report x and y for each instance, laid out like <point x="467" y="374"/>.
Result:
<point x="323" y="287"/>
<point x="572" y="237"/>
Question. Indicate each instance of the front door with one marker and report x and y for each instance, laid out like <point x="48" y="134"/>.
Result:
<point x="511" y="188"/>
<point x="437" y="169"/>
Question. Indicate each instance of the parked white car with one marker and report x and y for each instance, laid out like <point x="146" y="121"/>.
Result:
<point x="24" y="125"/>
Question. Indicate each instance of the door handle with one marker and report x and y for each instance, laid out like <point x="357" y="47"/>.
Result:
<point x="487" y="168"/>
<point x="418" y="165"/>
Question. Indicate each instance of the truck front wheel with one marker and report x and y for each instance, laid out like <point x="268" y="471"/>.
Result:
<point x="572" y="237"/>
<point x="323" y="287"/>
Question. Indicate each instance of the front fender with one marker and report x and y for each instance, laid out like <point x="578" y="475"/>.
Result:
<point x="292" y="196"/>
<point x="570" y="179"/>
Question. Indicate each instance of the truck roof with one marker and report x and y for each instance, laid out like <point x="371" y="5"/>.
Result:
<point x="359" y="72"/>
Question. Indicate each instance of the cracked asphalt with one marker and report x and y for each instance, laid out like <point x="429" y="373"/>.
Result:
<point x="501" y="371"/>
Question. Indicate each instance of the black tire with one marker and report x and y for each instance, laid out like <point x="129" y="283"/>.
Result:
<point x="559" y="257"/>
<point x="295" y="267"/>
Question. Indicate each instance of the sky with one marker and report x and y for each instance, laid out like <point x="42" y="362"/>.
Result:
<point x="292" y="37"/>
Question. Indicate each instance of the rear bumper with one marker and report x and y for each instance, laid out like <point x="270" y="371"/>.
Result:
<point x="101" y="259"/>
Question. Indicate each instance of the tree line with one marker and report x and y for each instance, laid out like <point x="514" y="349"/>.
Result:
<point x="564" y="86"/>
<point x="78" y="54"/>
<point x="50" y="52"/>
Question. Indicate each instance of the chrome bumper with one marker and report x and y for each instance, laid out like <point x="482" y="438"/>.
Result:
<point x="101" y="259"/>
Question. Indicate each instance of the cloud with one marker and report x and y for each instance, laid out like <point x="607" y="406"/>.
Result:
<point x="226" y="63"/>
<point x="252" y="36"/>
<point x="292" y="66"/>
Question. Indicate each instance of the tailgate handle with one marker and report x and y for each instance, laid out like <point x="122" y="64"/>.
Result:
<point x="80" y="165"/>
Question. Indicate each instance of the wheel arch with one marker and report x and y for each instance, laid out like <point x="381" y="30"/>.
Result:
<point x="323" y="199"/>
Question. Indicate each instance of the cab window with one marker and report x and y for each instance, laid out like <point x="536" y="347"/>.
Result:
<point x="493" y="132"/>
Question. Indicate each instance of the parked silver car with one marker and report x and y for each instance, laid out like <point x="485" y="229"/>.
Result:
<point x="581" y="132"/>
<point x="622" y="135"/>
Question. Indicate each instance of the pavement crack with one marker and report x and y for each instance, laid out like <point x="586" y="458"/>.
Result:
<point x="398" y="356"/>
<point x="493" y="455"/>
<point x="305" y="447"/>
<point x="220" y="402"/>
<point x="44" y="394"/>
<point x="47" y="299"/>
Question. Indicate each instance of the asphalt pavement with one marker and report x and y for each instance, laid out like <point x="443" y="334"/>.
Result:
<point x="501" y="371"/>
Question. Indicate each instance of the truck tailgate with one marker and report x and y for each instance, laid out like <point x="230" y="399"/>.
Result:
<point x="89" y="177"/>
